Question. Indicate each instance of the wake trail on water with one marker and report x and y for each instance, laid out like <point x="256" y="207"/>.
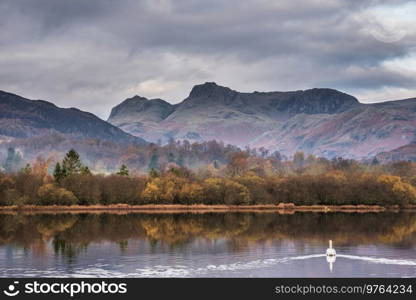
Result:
<point x="387" y="261"/>
<point x="255" y="264"/>
<point x="187" y="271"/>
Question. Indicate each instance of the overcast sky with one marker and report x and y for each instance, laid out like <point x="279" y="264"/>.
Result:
<point x="92" y="54"/>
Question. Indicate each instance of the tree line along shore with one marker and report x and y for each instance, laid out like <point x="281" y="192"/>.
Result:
<point x="281" y="208"/>
<point x="245" y="181"/>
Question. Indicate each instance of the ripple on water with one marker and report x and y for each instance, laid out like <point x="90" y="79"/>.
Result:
<point x="99" y="270"/>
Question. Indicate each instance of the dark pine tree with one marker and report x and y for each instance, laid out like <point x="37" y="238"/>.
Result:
<point x="124" y="171"/>
<point x="71" y="164"/>
<point x="85" y="170"/>
<point x="58" y="173"/>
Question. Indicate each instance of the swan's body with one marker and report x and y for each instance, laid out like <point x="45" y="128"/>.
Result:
<point x="330" y="251"/>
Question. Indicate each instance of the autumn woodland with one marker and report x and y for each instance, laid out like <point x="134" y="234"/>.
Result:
<point x="230" y="177"/>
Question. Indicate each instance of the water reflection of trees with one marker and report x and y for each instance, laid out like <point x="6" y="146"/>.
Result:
<point x="70" y="233"/>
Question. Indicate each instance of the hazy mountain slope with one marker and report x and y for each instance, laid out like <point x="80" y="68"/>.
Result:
<point x="362" y="131"/>
<point x="20" y="118"/>
<point x="407" y="153"/>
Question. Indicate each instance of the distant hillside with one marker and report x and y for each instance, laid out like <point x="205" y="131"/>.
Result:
<point x="323" y="122"/>
<point x="104" y="156"/>
<point x="406" y="153"/>
<point x="24" y="118"/>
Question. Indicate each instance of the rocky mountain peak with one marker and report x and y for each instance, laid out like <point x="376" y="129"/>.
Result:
<point x="317" y="101"/>
<point x="135" y="99"/>
<point x="140" y="108"/>
<point x="208" y="90"/>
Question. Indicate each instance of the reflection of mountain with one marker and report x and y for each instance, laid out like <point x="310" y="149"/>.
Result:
<point x="70" y="233"/>
<point x="320" y="121"/>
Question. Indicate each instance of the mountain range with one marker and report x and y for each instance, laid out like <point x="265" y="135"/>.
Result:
<point x="324" y="122"/>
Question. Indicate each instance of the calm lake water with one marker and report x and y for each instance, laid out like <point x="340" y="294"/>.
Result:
<point x="208" y="245"/>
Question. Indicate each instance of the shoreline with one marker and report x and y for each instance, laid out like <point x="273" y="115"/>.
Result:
<point x="282" y="208"/>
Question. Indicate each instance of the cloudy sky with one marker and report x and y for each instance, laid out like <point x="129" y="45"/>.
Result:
<point x="92" y="54"/>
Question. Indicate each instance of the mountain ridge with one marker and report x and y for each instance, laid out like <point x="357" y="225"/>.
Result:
<point x="319" y="121"/>
<point x="323" y="122"/>
<point x="21" y="118"/>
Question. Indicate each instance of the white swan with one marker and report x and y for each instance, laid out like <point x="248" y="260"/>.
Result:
<point x="330" y="256"/>
<point x="330" y="251"/>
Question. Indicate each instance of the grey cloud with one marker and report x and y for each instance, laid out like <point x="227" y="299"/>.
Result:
<point x="94" y="53"/>
<point x="372" y="77"/>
